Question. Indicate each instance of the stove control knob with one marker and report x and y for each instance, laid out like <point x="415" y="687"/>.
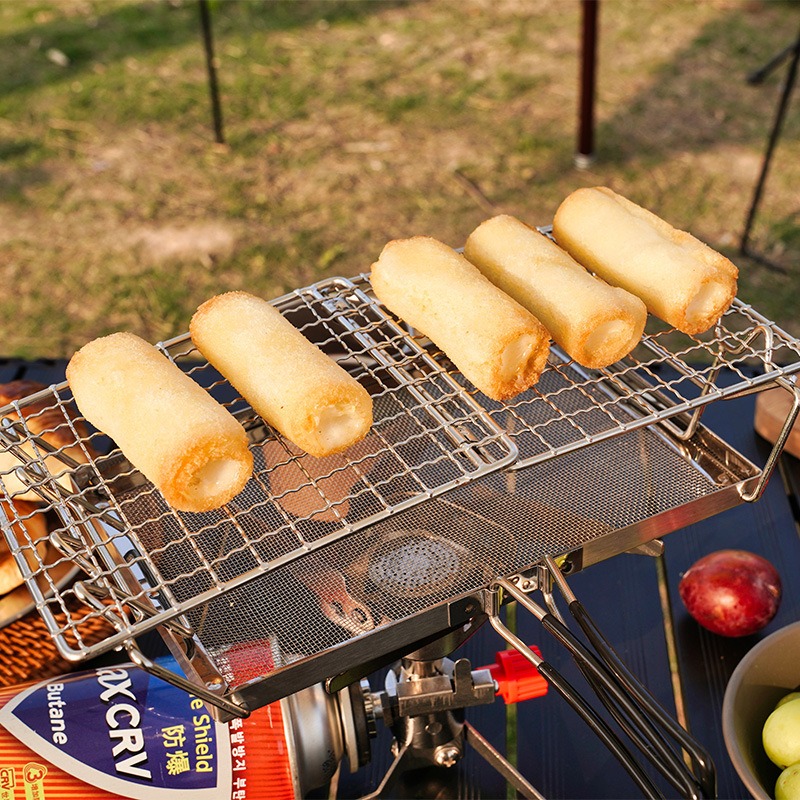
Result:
<point x="516" y="678"/>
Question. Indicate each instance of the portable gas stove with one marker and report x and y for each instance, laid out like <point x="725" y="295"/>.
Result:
<point x="323" y="570"/>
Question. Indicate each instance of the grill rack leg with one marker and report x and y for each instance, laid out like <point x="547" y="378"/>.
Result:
<point x="468" y="735"/>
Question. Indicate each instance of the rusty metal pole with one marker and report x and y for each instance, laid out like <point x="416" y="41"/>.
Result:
<point x="585" y="152"/>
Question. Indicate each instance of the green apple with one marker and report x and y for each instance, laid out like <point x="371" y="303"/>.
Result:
<point x="788" y="784"/>
<point x="781" y="734"/>
<point x="788" y="698"/>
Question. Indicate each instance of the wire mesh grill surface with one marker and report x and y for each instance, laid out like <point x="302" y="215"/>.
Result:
<point x="147" y="563"/>
<point x="669" y="376"/>
<point x="591" y="463"/>
<point x="317" y="552"/>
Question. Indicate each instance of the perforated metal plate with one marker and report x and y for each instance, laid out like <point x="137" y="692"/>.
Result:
<point x="391" y="575"/>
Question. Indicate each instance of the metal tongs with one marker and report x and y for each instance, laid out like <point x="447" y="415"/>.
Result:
<point x="659" y="737"/>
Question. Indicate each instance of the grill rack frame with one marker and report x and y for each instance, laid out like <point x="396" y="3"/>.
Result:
<point x="124" y="594"/>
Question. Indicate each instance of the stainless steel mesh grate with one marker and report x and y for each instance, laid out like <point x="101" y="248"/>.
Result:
<point x="669" y="377"/>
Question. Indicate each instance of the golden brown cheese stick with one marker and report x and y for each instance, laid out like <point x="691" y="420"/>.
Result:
<point x="497" y="344"/>
<point x="596" y="324"/>
<point x="289" y="381"/>
<point x="681" y="280"/>
<point x="167" y="425"/>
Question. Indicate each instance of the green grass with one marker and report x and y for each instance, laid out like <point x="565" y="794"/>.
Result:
<point x="351" y="123"/>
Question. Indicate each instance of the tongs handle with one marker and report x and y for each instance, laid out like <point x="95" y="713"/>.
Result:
<point x="584" y="710"/>
<point x="630" y="717"/>
<point x="629" y="682"/>
<point x="628" y="702"/>
<point x="701" y="758"/>
<point x="607" y="736"/>
<point x="619" y="703"/>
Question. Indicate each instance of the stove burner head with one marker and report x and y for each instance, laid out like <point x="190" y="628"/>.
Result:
<point x="415" y="563"/>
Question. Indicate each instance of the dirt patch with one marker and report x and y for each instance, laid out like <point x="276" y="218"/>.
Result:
<point x="203" y="242"/>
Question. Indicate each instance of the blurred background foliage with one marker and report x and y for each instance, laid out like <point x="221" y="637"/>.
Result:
<point x="351" y="123"/>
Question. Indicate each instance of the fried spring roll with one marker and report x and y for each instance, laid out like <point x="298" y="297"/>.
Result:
<point x="497" y="344"/>
<point x="596" y="324"/>
<point x="289" y="381"/>
<point x="681" y="280"/>
<point x="167" y="425"/>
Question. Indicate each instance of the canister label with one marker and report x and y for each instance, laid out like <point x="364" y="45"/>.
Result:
<point x="117" y="728"/>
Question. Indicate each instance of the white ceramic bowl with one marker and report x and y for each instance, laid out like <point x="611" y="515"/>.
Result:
<point x="768" y="672"/>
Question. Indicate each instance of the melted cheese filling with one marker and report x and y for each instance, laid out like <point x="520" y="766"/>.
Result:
<point x="216" y="476"/>
<point x="609" y="333"/>
<point x="338" y="426"/>
<point x="516" y="356"/>
<point x="706" y="302"/>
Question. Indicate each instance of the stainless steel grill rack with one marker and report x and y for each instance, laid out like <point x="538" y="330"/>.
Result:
<point x="323" y="564"/>
<point x="428" y="437"/>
